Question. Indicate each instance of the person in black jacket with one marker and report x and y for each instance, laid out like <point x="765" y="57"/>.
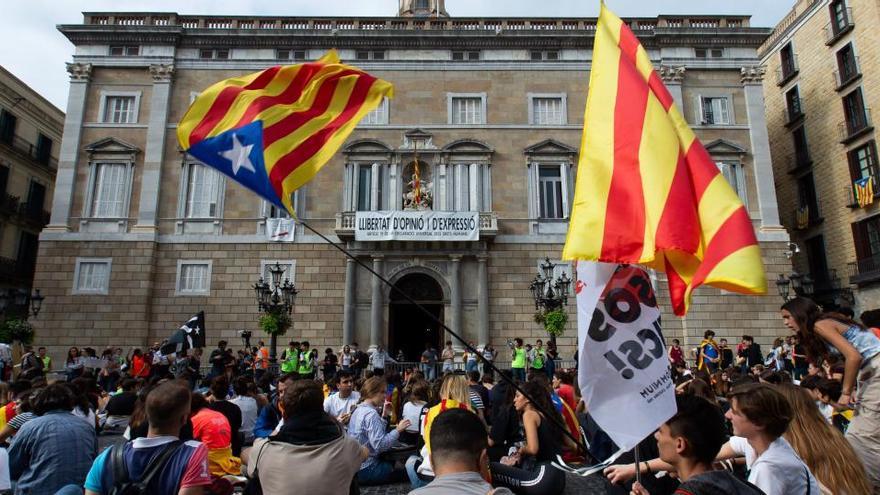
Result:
<point x="218" y="402"/>
<point x="750" y="354"/>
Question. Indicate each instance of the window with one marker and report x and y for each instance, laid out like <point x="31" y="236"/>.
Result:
<point x="469" y="55"/>
<point x="793" y="104"/>
<point x="550" y="199"/>
<point x="370" y="55"/>
<point x="366" y="187"/>
<point x="866" y="235"/>
<point x="92" y="276"/>
<point x="125" y="51"/>
<point x="7" y="126"/>
<point x="817" y="261"/>
<point x="379" y="116"/>
<point x="289" y="267"/>
<point x="4" y="179"/>
<point x="119" y="107"/>
<point x="538" y="55"/>
<point x="109" y="191"/>
<point x="863" y="162"/>
<point x="36" y="199"/>
<point x="547" y="109"/>
<point x="467" y="109"/>
<point x="714" y="110"/>
<point x="204" y="187"/>
<point x="788" y="65"/>
<point x="43" y="152"/>
<point x="467" y="187"/>
<point x="807" y="196"/>
<point x="193" y="278"/>
<point x="801" y="148"/>
<point x="855" y="112"/>
<point x="734" y="173"/>
<point x="288" y="54"/>
<point x="847" y="65"/>
<point x="709" y="52"/>
<point x="840" y="18"/>
<point x="218" y="54"/>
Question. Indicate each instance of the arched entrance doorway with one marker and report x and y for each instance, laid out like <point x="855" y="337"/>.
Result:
<point x="409" y="329"/>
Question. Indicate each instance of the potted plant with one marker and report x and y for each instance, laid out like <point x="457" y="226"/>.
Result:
<point x="554" y="321"/>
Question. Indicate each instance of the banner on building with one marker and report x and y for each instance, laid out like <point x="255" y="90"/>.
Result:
<point x="280" y="229"/>
<point x="623" y="370"/>
<point x="417" y="226"/>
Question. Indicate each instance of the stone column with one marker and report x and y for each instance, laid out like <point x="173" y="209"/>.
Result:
<point x="154" y="153"/>
<point x="350" y="301"/>
<point x="483" y="301"/>
<point x="65" y="179"/>
<point x="752" y="80"/>
<point x="376" y="306"/>
<point x="672" y="78"/>
<point x="455" y="297"/>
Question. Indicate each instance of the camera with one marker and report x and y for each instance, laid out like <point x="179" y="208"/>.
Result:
<point x="510" y="344"/>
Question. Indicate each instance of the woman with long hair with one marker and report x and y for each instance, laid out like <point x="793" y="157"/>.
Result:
<point x="368" y="428"/>
<point x="824" y="334"/>
<point x="73" y="365"/>
<point x="822" y="448"/>
<point x="505" y="430"/>
<point x="528" y="471"/>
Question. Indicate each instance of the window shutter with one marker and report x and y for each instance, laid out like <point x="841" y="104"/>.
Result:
<point x="723" y="113"/>
<point x="699" y="116"/>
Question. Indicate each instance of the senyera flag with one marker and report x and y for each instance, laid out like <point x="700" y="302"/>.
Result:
<point x="272" y="131"/>
<point x="647" y="191"/>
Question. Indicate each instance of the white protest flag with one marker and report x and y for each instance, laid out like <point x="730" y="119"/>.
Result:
<point x="280" y="229"/>
<point x="623" y="371"/>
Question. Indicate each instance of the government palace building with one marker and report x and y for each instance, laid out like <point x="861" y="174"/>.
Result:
<point x="143" y="236"/>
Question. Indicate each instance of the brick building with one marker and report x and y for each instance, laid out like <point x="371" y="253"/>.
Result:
<point x="142" y="237"/>
<point x="30" y="135"/>
<point x="819" y="101"/>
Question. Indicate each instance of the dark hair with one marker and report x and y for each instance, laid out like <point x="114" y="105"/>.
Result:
<point x="700" y="423"/>
<point x="305" y="343"/>
<point x="221" y="343"/>
<point x="748" y="338"/>
<point x="764" y="406"/>
<point x="167" y="403"/>
<point x="565" y="377"/>
<point x="343" y="374"/>
<point x="771" y="376"/>
<point x="474" y="376"/>
<point x="810" y="382"/>
<point x="457" y="435"/>
<point x="54" y="397"/>
<point x="420" y="390"/>
<point x="701" y="389"/>
<point x="871" y="318"/>
<point x="708" y="333"/>
<point x="128" y="384"/>
<point x="832" y="388"/>
<point x="303" y="397"/>
<point x="240" y="385"/>
<point x="197" y="402"/>
<point x="540" y="395"/>
<point x="219" y="387"/>
<point x="518" y="340"/>
<point x="806" y="313"/>
<point x="847" y="311"/>
<point x="675" y="341"/>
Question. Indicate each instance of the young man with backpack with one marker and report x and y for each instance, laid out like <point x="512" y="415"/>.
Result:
<point x="159" y="462"/>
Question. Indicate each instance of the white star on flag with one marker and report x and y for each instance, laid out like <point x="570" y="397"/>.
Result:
<point x="239" y="155"/>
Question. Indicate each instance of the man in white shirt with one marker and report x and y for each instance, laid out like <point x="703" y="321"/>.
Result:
<point x="340" y="404"/>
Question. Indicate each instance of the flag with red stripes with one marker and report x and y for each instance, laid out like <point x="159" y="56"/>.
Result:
<point x="647" y="191"/>
<point x="272" y="131"/>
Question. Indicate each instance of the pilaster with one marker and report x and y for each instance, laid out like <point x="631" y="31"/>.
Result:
<point x="752" y="80"/>
<point x="376" y="308"/>
<point x="673" y="77"/>
<point x="349" y="303"/>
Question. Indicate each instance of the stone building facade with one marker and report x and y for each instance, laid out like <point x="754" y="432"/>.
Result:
<point x="819" y="97"/>
<point x="492" y="107"/>
<point x="30" y="136"/>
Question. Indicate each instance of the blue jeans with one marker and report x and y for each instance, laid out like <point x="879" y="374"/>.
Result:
<point x="412" y="464"/>
<point x="428" y="371"/>
<point x="377" y="474"/>
<point x="519" y="374"/>
<point x="471" y="366"/>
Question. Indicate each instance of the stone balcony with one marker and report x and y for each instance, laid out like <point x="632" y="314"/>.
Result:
<point x="345" y="225"/>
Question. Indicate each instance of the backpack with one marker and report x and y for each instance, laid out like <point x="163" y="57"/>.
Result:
<point x="123" y="485"/>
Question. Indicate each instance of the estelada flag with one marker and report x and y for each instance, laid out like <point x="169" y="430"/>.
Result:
<point x="647" y="191"/>
<point x="272" y="131"/>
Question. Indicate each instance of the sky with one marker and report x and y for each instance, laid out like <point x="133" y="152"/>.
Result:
<point x="33" y="49"/>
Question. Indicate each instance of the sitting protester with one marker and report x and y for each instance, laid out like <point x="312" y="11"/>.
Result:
<point x="270" y="416"/>
<point x="248" y="407"/>
<point x="217" y="402"/>
<point x="119" y="408"/>
<point x="459" y="457"/>
<point x="212" y="429"/>
<point x="311" y="441"/>
<point x="368" y="427"/>
<point x="185" y="472"/>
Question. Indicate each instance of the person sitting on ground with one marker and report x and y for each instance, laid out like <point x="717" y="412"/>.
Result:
<point x="217" y="402"/>
<point x="505" y="431"/>
<point x="341" y="404"/>
<point x="829" y="392"/>
<point x="186" y="470"/>
<point x="458" y="456"/>
<point x="119" y="408"/>
<point x="367" y="426"/>
<point x="689" y="441"/>
<point x="53" y="450"/>
<point x="248" y="407"/>
<point x="212" y="429"/>
<point x="311" y="441"/>
<point x="23" y="414"/>
<point x="418" y="400"/>
<point x="760" y="414"/>
<point x="270" y="416"/>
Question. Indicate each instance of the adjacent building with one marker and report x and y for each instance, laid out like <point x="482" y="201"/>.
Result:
<point x="489" y="109"/>
<point x="819" y="97"/>
<point x="30" y="135"/>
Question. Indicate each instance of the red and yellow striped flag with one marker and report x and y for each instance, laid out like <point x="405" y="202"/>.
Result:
<point x="272" y="131"/>
<point x="647" y="191"/>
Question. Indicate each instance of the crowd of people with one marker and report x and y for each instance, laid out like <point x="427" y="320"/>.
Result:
<point x="747" y="422"/>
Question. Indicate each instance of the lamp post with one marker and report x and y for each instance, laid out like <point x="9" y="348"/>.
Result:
<point x="549" y="294"/>
<point x="801" y="284"/>
<point x="276" y="300"/>
<point x="18" y="301"/>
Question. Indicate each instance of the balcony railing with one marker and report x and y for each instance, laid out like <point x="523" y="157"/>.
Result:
<point x="855" y="126"/>
<point x="30" y="151"/>
<point x="12" y="207"/>
<point x="345" y="224"/>
<point x="834" y="30"/>
<point x="852" y="197"/>
<point x="865" y="270"/>
<point x="848" y="73"/>
<point x="788" y="70"/>
<point x="794" y="110"/>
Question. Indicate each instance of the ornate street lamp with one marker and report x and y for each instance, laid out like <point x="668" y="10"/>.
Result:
<point x="783" y="285"/>
<point x="18" y="301"/>
<point x="276" y="301"/>
<point x="802" y="285"/>
<point x="549" y="295"/>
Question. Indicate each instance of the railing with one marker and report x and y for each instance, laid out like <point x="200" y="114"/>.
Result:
<point x="848" y="74"/>
<point x="833" y="31"/>
<point x="852" y="127"/>
<point x="789" y="69"/>
<point x="8" y="204"/>
<point x="793" y="110"/>
<point x="865" y="270"/>
<point x="12" y="206"/>
<point x="31" y="152"/>
<point x="852" y="199"/>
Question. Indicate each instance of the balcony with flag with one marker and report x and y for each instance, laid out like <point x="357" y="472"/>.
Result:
<point x="862" y="192"/>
